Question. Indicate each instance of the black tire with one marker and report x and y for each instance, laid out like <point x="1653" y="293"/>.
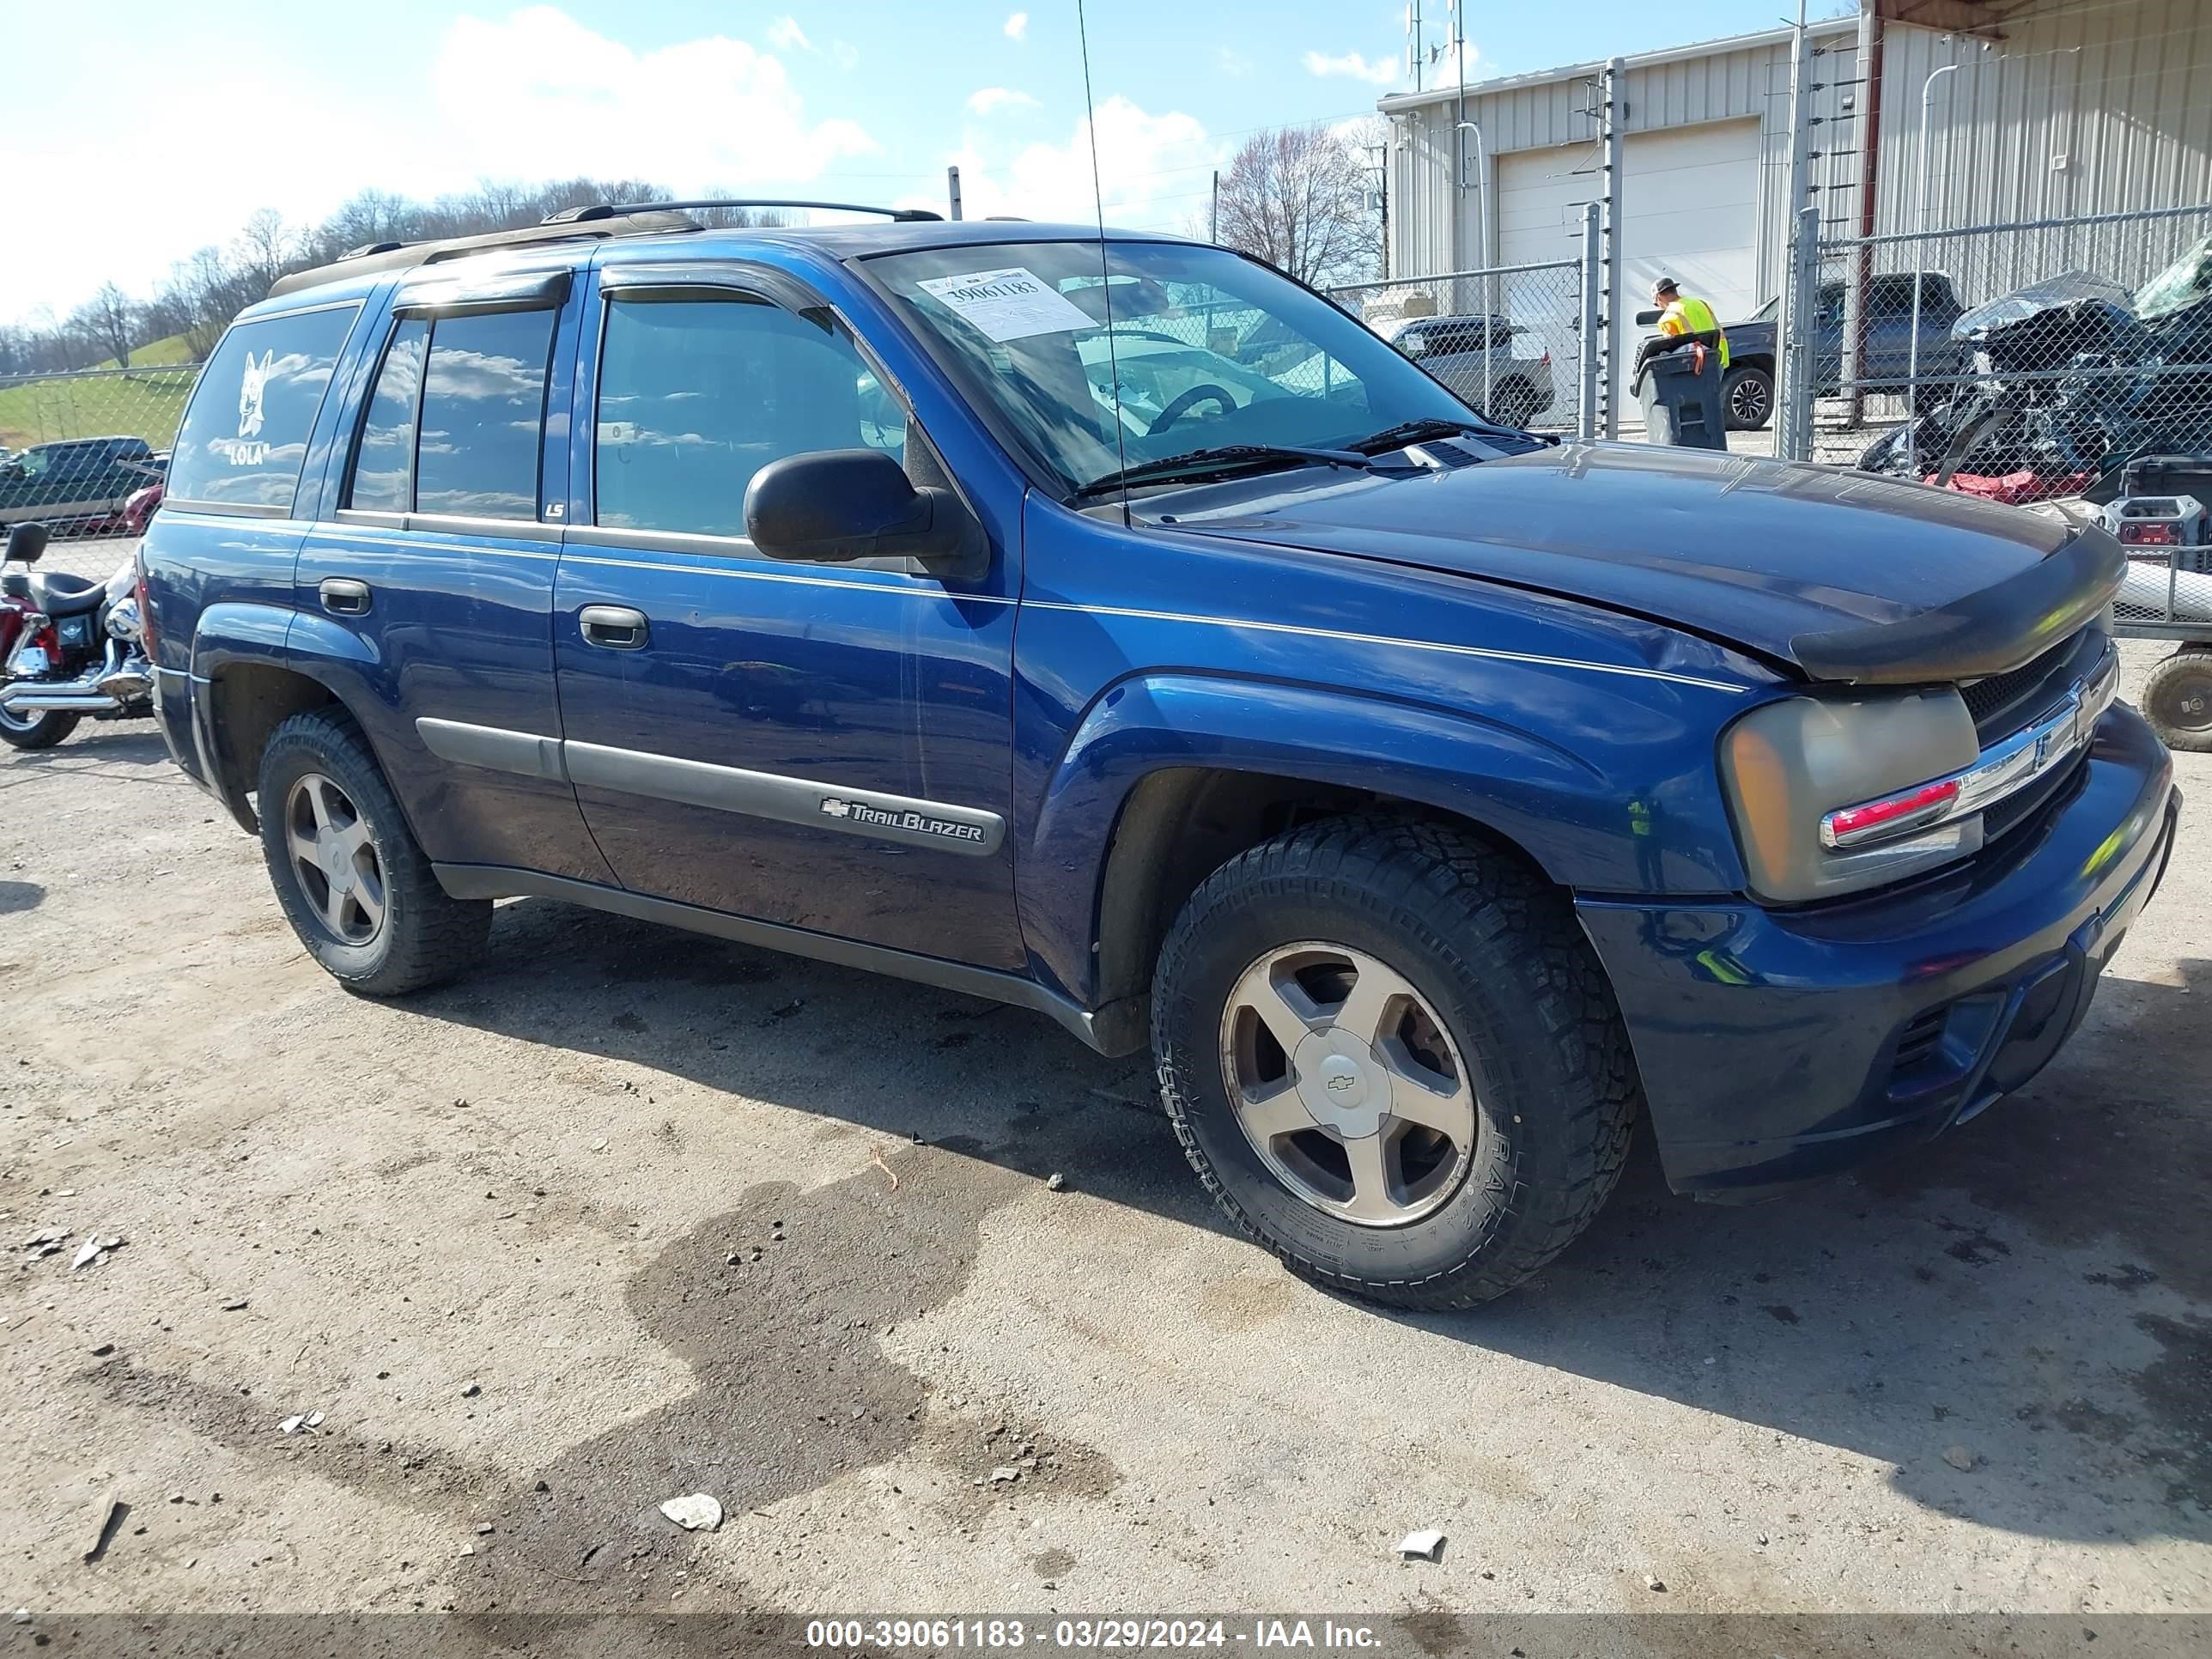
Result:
<point x="1496" y="952"/>
<point x="42" y="730"/>
<point x="425" y="937"/>
<point x="2177" y="700"/>
<point x="1747" y="398"/>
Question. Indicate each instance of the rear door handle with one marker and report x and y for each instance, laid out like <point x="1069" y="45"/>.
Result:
<point x="617" y="627"/>
<point x="344" y="597"/>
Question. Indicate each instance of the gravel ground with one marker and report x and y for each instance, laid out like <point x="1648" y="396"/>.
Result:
<point x="613" y="1220"/>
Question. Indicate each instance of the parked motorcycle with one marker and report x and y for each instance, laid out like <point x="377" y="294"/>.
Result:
<point x="69" y="647"/>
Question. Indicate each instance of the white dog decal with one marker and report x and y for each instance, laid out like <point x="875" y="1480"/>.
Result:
<point x="249" y="392"/>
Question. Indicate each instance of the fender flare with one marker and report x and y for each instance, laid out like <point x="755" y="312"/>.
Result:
<point x="245" y="634"/>
<point x="1519" y="786"/>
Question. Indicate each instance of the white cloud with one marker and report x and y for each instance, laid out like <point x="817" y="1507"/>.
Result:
<point x="568" y="101"/>
<point x="1017" y="26"/>
<point x="1232" y="63"/>
<point x="1152" y="169"/>
<point x="845" y="53"/>
<point x="1353" y="66"/>
<point x="987" y="101"/>
<point x="786" y="32"/>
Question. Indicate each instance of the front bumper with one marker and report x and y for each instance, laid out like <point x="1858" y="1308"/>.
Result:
<point x="1780" y="1046"/>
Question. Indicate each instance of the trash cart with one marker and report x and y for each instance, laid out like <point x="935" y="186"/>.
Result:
<point x="1680" y="392"/>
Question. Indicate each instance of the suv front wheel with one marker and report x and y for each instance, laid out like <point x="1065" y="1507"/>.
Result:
<point x="354" y="884"/>
<point x="1392" y="1058"/>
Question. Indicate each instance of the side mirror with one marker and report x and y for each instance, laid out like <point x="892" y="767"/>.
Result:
<point x="25" y="542"/>
<point x="833" y="505"/>
<point x="1647" y="319"/>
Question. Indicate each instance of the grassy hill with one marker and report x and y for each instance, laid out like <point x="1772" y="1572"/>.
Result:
<point x="103" y="402"/>
<point x="158" y="354"/>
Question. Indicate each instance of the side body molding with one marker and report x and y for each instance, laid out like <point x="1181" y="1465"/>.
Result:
<point x="966" y="830"/>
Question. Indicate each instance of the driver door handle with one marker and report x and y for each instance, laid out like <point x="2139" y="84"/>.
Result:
<point x="615" y="627"/>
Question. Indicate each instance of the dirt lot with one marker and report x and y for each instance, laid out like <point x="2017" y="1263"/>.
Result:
<point x="611" y="1222"/>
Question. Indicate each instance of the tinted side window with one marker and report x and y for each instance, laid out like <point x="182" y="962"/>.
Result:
<point x="483" y="415"/>
<point x="384" y="464"/>
<point x="696" y="396"/>
<point x="245" y="434"/>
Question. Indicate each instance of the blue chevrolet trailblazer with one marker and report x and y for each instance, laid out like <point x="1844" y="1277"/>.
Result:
<point x="1116" y="628"/>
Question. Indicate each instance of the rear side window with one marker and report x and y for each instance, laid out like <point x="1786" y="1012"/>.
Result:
<point x="696" y="396"/>
<point x="245" y="436"/>
<point x="483" y="421"/>
<point x="384" y="466"/>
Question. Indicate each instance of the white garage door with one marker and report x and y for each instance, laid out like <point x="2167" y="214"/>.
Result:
<point x="1691" y="210"/>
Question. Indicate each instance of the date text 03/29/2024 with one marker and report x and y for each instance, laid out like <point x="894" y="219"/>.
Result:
<point x="1121" y="1634"/>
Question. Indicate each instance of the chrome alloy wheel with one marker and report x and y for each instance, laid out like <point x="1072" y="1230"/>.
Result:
<point x="1347" y="1085"/>
<point x="340" y="873"/>
<point x="1748" y="401"/>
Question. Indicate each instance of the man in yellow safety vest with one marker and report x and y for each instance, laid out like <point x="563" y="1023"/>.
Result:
<point x="1681" y="315"/>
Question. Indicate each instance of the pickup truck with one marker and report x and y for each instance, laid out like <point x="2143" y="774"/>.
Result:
<point x="1747" y="393"/>
<point x="1433" y="800"/>
<point x="80" y="482"/>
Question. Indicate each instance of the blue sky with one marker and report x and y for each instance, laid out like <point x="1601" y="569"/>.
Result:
<point x="160" y="126"/>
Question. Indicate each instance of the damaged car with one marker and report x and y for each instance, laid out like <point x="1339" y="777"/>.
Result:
<point x="2073" y="377"/>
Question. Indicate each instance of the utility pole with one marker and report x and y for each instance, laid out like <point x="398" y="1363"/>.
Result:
<point x="952" y="188"/>
<point x="1793" y="397"/>
<point x="1612" y="105"/>
<point x="1383" y="195"/>
<point x="1213" y="214"/>
<point x="1459" y="144"/>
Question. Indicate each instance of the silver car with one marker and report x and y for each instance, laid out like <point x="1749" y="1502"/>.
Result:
<point x="1457" y="350"/>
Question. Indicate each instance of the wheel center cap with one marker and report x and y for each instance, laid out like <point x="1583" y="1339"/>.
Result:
<point x="1340" y="1085"/>
<point x="338" y="867"/>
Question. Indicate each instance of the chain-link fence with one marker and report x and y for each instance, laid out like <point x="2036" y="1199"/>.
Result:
<point x="2020" y="361"/>
<point x="76" y="448"/>
<point x="1509" y="340"/>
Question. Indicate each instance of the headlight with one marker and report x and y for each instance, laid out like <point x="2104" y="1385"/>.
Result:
<point x="1827" y="791"/>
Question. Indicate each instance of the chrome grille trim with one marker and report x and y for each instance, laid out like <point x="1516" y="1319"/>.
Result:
<point x="2004" y="769"/>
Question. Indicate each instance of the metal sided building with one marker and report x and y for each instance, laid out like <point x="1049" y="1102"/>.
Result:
<point x="2058" y="108"/>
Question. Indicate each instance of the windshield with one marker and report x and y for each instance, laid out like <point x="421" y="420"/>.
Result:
<point x="1206" y="349"/>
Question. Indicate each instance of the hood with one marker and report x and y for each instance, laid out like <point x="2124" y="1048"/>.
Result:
<point x="1772" y="557"/>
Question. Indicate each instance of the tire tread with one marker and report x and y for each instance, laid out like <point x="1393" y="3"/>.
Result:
<point x="1478" y="901"/>
<point x="443" y="937"/>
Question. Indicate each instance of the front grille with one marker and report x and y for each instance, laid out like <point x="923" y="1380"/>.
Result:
<point x="1988" y="699"/>
<point x="2003" y="704"/>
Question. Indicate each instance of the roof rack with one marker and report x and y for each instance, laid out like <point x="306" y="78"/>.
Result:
<point x="591" y="212"/>
<point x="402" y="256"/>
<point x="588" y="219"/>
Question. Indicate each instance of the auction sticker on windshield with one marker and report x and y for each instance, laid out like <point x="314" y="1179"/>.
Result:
<point x="1007" y="305"/>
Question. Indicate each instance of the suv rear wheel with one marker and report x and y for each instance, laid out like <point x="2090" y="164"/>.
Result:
<point x="1392" y="1058"/>
<point x="354" y="884"/>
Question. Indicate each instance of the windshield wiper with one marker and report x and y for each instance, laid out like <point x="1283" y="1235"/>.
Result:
<point x="1221" y="460"/>
<point x="1434" y="426"/>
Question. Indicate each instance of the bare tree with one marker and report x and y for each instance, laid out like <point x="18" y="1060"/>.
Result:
<point x="110" y="322"/>
<point x="1299" y="198"/>
<point x="264" y="249"/>
<point x="202" y="294"/>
